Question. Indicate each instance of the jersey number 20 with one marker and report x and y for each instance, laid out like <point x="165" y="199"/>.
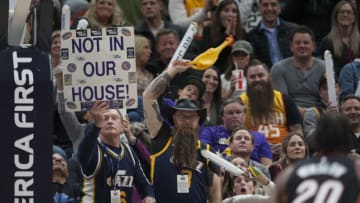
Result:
<point x="329" y="191"/>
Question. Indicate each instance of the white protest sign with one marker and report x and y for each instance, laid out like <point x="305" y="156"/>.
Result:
<point x="99" y="64"/>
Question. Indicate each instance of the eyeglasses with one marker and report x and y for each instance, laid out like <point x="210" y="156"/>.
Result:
<point x="348" y="12"/>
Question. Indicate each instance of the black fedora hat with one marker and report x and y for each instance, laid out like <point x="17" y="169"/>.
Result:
<point x="187" y="105"/>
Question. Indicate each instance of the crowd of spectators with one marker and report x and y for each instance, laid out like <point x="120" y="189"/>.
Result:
<point x="258" y="106"/>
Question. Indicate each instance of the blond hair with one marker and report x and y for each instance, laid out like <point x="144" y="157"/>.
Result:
<point x="117" y="18"/>
<point x="335" y="34"/>
<point x="140" y="42"/>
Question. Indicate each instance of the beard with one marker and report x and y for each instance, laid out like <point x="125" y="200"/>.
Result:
<point x="261" y="101"/>
<point x="184" y="152"/>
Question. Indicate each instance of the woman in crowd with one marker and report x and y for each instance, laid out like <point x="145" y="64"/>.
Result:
<point x="241" y="55"/>
<point x="104" y="13"/>
<point x="225" y="21"/>
<point x="55" y="49"/>
<point x="144" y="77"/>
<point x="143" y="52"/>
<point x="294" y="147"/>
<point x="344" y="38"/>
<point x="212" y="96"/>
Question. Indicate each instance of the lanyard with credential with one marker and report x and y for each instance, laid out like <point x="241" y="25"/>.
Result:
<point x="110" y="162"/>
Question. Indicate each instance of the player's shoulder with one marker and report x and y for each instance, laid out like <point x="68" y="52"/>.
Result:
<point x="281" y="182"/>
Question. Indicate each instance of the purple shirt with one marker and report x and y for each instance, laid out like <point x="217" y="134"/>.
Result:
<point x="217" y="137"/>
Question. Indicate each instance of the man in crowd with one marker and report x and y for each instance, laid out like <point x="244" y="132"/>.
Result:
<point x="153" y="23"/>
<point x="268" y="111"/>
<point x="110" y="167"/>
<point x="233" y="116"/>
<point x="178" y="172"/>
<point x="349" y="78"/>
<point x="299" y="76"/>
<point x="63" y="190"/>
<point x="350" y="108"/>
<point x="331" y="176"/>
<point x="242" y="145"/>
<point x="270" y="39"/>
<point x="166" y="43"/>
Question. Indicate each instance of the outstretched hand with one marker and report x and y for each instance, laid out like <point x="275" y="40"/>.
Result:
<point x="257" y="175"/>
<point x="58" y="73"/>
<point x="180" y="66"/>
<point x="331" y="107"/>
<point x="97" y="112"/>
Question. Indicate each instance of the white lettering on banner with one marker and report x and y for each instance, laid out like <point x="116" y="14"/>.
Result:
<point x="87" y="45"/>
<point x="24" y="105"/>
<point x="104" y="92"/>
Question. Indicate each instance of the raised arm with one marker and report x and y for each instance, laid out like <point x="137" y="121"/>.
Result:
<point x="71" y="123"/>
<point x="214" y="190"/>
<point x="153" y="118"/>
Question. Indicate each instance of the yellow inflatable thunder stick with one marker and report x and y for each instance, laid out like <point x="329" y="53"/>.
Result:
<point x="209" y="57"/>
<point x="254" y="172"/>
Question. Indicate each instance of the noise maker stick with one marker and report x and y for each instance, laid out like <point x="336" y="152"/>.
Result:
<point x="82" y="25"/>
<point x="231" y="168"/>
<point x="17" y="24"/>
<point x="329" y="69"/>
<point x="185" y="42"/>
<point x="65" y="18"/>
<point x="210" y="56"/>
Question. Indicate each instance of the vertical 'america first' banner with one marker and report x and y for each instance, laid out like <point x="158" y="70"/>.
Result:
<point x="26" y="125"/>
<point x="26" y="108"/>
<point x="99" y="64"/>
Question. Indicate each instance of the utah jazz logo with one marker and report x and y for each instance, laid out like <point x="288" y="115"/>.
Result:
<point x="121" y="180"/>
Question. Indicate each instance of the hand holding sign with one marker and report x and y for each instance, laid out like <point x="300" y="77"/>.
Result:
<point x="209" y="57"/>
